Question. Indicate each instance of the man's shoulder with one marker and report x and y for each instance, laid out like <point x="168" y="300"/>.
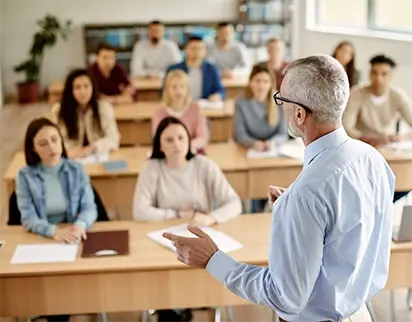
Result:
<point x="398" y="93"/>
<point x="169" y="44"/>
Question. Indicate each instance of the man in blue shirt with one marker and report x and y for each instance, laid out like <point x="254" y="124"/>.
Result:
<point x="331" y="229"/>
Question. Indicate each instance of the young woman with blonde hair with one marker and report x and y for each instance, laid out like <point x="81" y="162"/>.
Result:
<point x="177" y="103"/>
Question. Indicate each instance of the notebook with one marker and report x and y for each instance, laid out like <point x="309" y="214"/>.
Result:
<point x="115" y="165"/>
<point x="106" y="243"/>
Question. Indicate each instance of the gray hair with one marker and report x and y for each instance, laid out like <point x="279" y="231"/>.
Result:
<point x="320" y="83"/>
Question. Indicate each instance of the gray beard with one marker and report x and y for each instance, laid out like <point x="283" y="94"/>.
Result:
<point x="293" y="132"/>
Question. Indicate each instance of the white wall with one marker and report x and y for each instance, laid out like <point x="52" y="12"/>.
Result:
<point x="18" y="17"/>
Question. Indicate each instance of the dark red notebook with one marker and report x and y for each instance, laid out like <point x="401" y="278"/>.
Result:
<point x="106" y="243"/>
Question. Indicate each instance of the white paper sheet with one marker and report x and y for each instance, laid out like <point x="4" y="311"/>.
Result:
<point x="223" y="241"/>
<point x="94" y="158"/>
<point x="44" y="253"/>
<point x="207" y="104"/>
<point x="293" y="149"/>
<point x="253" y="154"/>
<point x="404" y="146"/>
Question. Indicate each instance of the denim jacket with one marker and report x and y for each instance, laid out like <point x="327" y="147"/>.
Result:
<point x="31" y="197"/>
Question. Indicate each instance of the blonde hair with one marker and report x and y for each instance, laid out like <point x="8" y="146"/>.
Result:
<point x="271" y="108"/>
<point x="177" y="73"/>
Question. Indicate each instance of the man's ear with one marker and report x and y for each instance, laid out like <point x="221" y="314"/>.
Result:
<point x="300" y="115"/>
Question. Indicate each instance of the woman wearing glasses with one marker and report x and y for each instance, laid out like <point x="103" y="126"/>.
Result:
<point x="259" y="123"/>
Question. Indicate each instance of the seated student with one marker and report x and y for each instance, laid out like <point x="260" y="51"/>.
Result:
<point x="345" y="54"/>
<point x="276" y="62"/>
<point x="374" y="110"/>
<point x="177" y="103"/>
<point x="45" y="198"/>
<point x="204" y="76"/>
<point x="178" y="184"/>
<point x="230" y="57"/>
<point x="111" y="79"/>
<point x="87" y="124"/>
<point x="258" y="121"/>
<point x="151" y="57"/>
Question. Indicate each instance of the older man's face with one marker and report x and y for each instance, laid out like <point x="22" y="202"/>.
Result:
<point x="289" y="110"/>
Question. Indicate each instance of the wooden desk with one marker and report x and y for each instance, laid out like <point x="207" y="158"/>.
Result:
<point x="117" y="188"/>
<point x="150" y="277"/>
<point x="150" y="89"/>
<point x="135" y="122"/>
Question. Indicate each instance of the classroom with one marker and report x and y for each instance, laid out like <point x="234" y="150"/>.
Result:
<point x="221" y="160"/>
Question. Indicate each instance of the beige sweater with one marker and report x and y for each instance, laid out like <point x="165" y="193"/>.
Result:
<point x="363" y="117"/>
<point x="200" y="185"/>
<point x="104" y="139"/>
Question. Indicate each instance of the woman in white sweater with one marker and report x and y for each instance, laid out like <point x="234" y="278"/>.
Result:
<point x="178" y="184"/>
<point x="175" y="183"/>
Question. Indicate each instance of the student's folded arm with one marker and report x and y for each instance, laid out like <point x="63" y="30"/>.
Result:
<point x="241" y="134"/>
<point x="295" y="258"/>
<point x="111" y="138"/>
<point x="137" y="61"/>
<point x="351" y="114"/>
<point x="87" y="208"/>
<point x="405" y="107"/>
<point x="144" y="200"/>
<point x="29" y="217"/>
<point x="202" y="134"/>
<point x="228" y="203"/>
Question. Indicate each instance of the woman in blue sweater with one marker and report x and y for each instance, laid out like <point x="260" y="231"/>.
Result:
<point x="259" y="123"/>
<point x="52" y="190"/>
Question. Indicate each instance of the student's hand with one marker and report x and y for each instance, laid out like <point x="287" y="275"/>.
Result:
<point x="202" y="220"/>
<point x="65" y="235"/>
<point x="87" y="150"/>
<point x="259" y="146"/>
<point x="214" y="98"/>
<point x="400" y="137"/>
<point x="79" y="232"/>
<point x="227" y="73"/>
<point x="268" y="145"/>
<point x="152" y="76"/>
<point x="274" y="193"/>
<point x="187" y="214"/>
<point x="376" y="141"/>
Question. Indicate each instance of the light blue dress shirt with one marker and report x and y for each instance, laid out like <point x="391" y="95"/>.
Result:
<point x="330" y="240"/>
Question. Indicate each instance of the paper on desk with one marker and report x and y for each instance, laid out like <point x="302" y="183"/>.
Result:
<point x="94" y="158"/>
<point x="223" y="241"/>
<point x="294" y="149"/>
<point x="44" y="253"/>
<point x="253" y="154"/>
<point x="404" y="145"/>
<point x="207" y="104"/>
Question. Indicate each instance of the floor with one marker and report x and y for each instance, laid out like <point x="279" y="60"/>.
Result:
<point x="13" y="122"/>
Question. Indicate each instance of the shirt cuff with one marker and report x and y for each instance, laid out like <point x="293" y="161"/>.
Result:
<point x="51" y="230"/>
<point x="81" y="223"/>
<point x="220" y="264"/>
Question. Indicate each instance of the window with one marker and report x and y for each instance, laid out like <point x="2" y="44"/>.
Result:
<point x="382" y="15"/>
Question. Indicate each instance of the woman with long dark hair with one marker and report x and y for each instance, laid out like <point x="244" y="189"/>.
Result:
<point x="87" y="124"/>
<point x="52" y="190"/>
<point x="345" y="54"/>
<point x="175" y="183"/>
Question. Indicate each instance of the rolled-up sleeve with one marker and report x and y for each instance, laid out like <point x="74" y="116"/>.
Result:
<point x="295" y="258"/>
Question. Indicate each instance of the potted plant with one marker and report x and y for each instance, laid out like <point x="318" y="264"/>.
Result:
<point x="50" y="30"/>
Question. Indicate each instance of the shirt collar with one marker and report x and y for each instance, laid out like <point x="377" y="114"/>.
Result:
<point x="327" y="141"/>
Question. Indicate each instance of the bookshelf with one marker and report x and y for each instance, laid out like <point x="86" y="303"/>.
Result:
<point x="258" y="20"/>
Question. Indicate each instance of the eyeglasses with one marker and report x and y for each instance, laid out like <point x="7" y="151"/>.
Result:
<point x="279" y="102"/>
